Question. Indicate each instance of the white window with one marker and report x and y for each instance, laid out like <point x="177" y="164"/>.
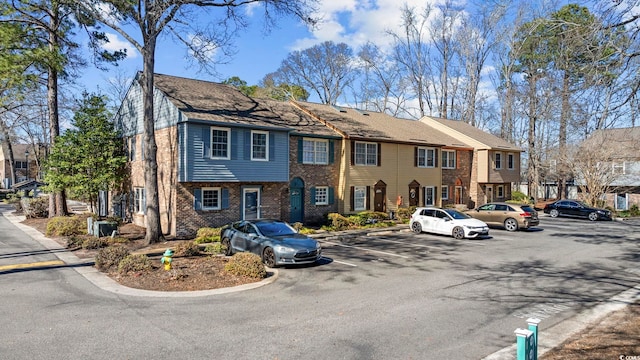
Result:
<point x="510" y="162"/>
<point x="445" y="192"/>
<point x="498" y="160"/>
<point x="322" y="195"/>
<point x="500" y="191"/>
<point x="366" y="154"/>
<point x="139" y="200"/>
<point x="211" y="199"/>
<point x="448" y="159"/>
<point x="426" y="157"/>
<point x="20" y="164"/>
<point x="220" y="143"/>
<point x="315" y="151"/>
<point x="359" y="198"/>
<point x="259" y="145"/>
<point x="618" y="168"/>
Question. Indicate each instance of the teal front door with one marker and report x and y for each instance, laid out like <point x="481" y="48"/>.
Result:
<point x="297" y="208"/>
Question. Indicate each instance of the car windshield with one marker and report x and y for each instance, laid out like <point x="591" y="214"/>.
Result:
<point x="275" y="229"/>
<point x="456" y="214"/>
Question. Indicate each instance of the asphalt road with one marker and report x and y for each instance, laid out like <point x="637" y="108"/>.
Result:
<point x="392" y="295"/>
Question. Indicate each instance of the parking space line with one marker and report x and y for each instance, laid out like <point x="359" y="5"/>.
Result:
<point x="366" y="249"/>
<point x="340" y="262"/>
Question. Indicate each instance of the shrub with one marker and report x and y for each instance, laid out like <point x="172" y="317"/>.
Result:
<point x="74" y="242"/>
<point x="298" y="226"/>
<point x="246" y="264"/>
<point x="186" y="249"/>
<point x="134" y="263"/>
<point x="634" y="210"/>
<point x="337" y="221"/>
<point x="404" y="214"/>
<point x="14" y="199"/>
<point x="66" y="226"/>
<point x="215" y="248"/>
<point x="207" y="235"/>
<point x="520" y="197"/>
<point x="93" y="242"/>
<point x="110" y="257"/>
<point x="307" y="231"/>
<point x="36" y="208"/>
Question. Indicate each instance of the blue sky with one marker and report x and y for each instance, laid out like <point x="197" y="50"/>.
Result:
<point x="351" y="21"/>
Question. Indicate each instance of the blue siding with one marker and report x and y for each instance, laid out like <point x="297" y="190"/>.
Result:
<point x="200" y="168"/>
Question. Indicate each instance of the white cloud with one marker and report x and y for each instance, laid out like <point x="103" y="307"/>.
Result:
<point x="355" y="22"/>
<point x="115" y="43"/>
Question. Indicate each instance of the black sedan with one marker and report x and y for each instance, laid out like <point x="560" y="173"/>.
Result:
<point x="576" y="209"/>
<point x="275" y="241"/>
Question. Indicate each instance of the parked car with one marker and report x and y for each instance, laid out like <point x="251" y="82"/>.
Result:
<point x="447" y="222"/>
<point x="510" y="216"/>
<point x="575" y="208"/>
<point x="276" y="242"/>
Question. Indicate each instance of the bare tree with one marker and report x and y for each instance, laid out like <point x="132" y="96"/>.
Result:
<point x="326" y="69"/>
<point x="141" y="23"/>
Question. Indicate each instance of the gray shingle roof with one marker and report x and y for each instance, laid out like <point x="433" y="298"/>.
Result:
<point x="375" y="126"/>
<point x="621" y="143"/>
<point x="473" y="132"/>
<point x="221" y="103"/>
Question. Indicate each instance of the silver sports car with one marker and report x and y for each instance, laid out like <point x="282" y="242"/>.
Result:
<point x="275" y="241"/>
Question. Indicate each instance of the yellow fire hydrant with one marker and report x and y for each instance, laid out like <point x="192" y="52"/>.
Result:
<point x="166" y="259"/>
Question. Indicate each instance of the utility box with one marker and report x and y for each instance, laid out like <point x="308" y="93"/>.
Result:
<point x="104" y="228"/>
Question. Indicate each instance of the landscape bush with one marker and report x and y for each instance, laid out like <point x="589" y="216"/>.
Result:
<point x="404" y="214"/>
<point x="92" y="242"/>
<point x="74" y="242"/>
<point x="187" y="249"/>
<point x="35" y="208"/>
<point x="207" y="235"/>
<point x="66" y="226"/>
<point x="14" y="199"/>
<point x="214" y="248"/>
<point x="337" y="222"/>
<point x="246" y="264"/>
<point x="134" y="263"/>
<point x="110" y="257"/>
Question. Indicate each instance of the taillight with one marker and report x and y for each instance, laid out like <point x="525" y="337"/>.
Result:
<point x="525" y="214"/>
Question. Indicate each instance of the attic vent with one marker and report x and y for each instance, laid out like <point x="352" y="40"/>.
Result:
<point x="339" y="108"/>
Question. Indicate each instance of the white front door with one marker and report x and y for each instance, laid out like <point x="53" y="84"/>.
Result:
<point x="429" y="196"/>
<point x="251" y="203"/>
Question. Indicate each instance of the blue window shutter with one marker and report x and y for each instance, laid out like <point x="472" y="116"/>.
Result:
<point x="247" y="145"/>
<point x="206" y="142"/>
<point x="225" y="198"/>
<point x="313" y="196"/>
<point x="197" y="196"/>
<point x="272" y="147"/>
<point x="331" y="196"/>
<point x="300" y="150"/>
<point x="331" y="152"/>
<point x="234" y="144"/>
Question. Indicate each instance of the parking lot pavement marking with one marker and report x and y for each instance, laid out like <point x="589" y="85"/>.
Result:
<point x="31" y="265"/>
<point x="340" y="262"/>
<point x="366" y="249"/>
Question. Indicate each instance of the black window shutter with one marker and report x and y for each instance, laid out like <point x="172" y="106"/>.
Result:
<point x="366" y="198"/>
<point x="379" y="149"/>
<point x="312" y="192"/>
<point x="247" y="145"/>
<point x="272" y="147"/>
<point x="197" y="204"/>
<point x="353" y="152"/>
<point x="331" y="196"/>
<point x="300" y="145"/>
<point x="351" y="198"/>
<point x="415" y="156"/>
<point x="225" y="199"/>
<point x="435" y="157"/>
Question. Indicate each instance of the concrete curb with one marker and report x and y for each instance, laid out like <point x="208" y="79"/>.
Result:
<point x="559" y="333"/>
<point x="85" y="268"/>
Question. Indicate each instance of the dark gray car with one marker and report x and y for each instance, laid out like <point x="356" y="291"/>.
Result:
<point x="276" y="242"/>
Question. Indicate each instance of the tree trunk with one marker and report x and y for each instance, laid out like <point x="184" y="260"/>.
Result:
<point x="152" y="211"/>
<point x="562" y="137"/>
<point x="57" y="200"/>
<point x="532" y="166"/>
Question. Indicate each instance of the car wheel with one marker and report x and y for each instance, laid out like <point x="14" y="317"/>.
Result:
<point x="269" y="257"/>
<point x="458" y="232"/>
<point x="416" y="227"/>
<point x="226" y="245"/>
<point x="511" y="224"/>
<point x="553" y="213"/>
<point x="593" y="216"/>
